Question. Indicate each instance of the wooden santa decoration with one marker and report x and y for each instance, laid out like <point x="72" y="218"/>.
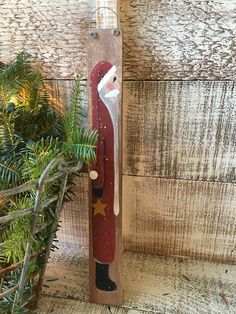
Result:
<point x="105" y="94"/>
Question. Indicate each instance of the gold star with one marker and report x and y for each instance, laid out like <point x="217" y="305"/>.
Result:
<point x="99" y="208"/>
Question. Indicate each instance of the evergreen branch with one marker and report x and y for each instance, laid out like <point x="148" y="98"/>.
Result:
<point x="31" y="135"/>
<point x="9" y="172"/>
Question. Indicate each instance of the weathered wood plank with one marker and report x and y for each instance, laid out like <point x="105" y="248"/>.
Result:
<point x="179" y="39"/>
<point x="53" y="32"/>
<point x="163" y="40"/>
<point x="151" y="283"/>
<point x="180" y="130"/>
<point x="180" y="217"/>
<point x="49" y="305"/>
<point x="74" y="218"/>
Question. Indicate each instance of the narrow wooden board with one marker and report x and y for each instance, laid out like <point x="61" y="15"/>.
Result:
<point x="180" y="130"/>
<point x="152" y="284"/>
<point x="105" y="53"/>
<point x="162" y="39"/>
<point x="180" y="217"/>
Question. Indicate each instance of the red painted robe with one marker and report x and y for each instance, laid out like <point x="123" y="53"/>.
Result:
<point x="104" y="219"/>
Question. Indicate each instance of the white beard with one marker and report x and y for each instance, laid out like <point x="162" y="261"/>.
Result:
<point x="111" y="102"/>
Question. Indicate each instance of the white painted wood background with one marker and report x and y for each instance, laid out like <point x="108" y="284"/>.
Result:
<point x="179" y="134"/>
<point x="168" y="285"/>
<point x="179" y="39"/>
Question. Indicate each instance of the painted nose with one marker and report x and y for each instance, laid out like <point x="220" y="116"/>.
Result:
<point x="113" y="93"/>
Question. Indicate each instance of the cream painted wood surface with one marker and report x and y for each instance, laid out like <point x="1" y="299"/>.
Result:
<point x="56" y="305"/>
<point x="180" y="217"/>
<point x="152" y="284"/>
<point x="53" y="32"/>
<point x="179" y="39"/>
<point x="181" y="130"/>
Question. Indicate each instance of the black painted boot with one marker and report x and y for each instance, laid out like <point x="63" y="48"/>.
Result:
<point x="103" y="281"/>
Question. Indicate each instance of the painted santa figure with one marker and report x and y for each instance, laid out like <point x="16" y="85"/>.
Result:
<point x="105" y="172"/>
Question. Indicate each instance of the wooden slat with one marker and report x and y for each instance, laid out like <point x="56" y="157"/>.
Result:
<point x="152" y="284"/>
<point x="180" y="217"/>
<point x="180" y="130"/>
<point x="179" y="39"/>
<point x="49" y="305"/>
<point x="108" y="228"/>
<point x="162" y="40"/>
<point x="59" y="93"/>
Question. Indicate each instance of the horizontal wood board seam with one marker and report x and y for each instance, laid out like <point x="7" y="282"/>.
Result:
<point x="177" y="179"/>
<point x="145" y="80"/>
<point x="82" y="300"/>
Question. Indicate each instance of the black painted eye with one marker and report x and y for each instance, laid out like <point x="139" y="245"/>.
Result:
<point x="114" y="79"/>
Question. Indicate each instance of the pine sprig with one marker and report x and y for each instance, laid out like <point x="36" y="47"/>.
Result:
<point x="31" y="135"/>
<point x="80" y="142"/>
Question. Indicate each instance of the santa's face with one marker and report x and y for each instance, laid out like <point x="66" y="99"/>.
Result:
<point x="108" y="88"/>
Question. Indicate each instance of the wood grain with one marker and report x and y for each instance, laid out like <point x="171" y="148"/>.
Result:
<point x="179" y="39"/>
<point x="152" y="284"/>
<point x="74" y="218"/>
<point x="53" y="32"/>
<point x="107" y="47"/>
<point x="59" y="92"/>
<point x="62" y="306"/>
<point x="176" y="129"/>
<point x="180" y="130"/>
<point x="180" y="217"/>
